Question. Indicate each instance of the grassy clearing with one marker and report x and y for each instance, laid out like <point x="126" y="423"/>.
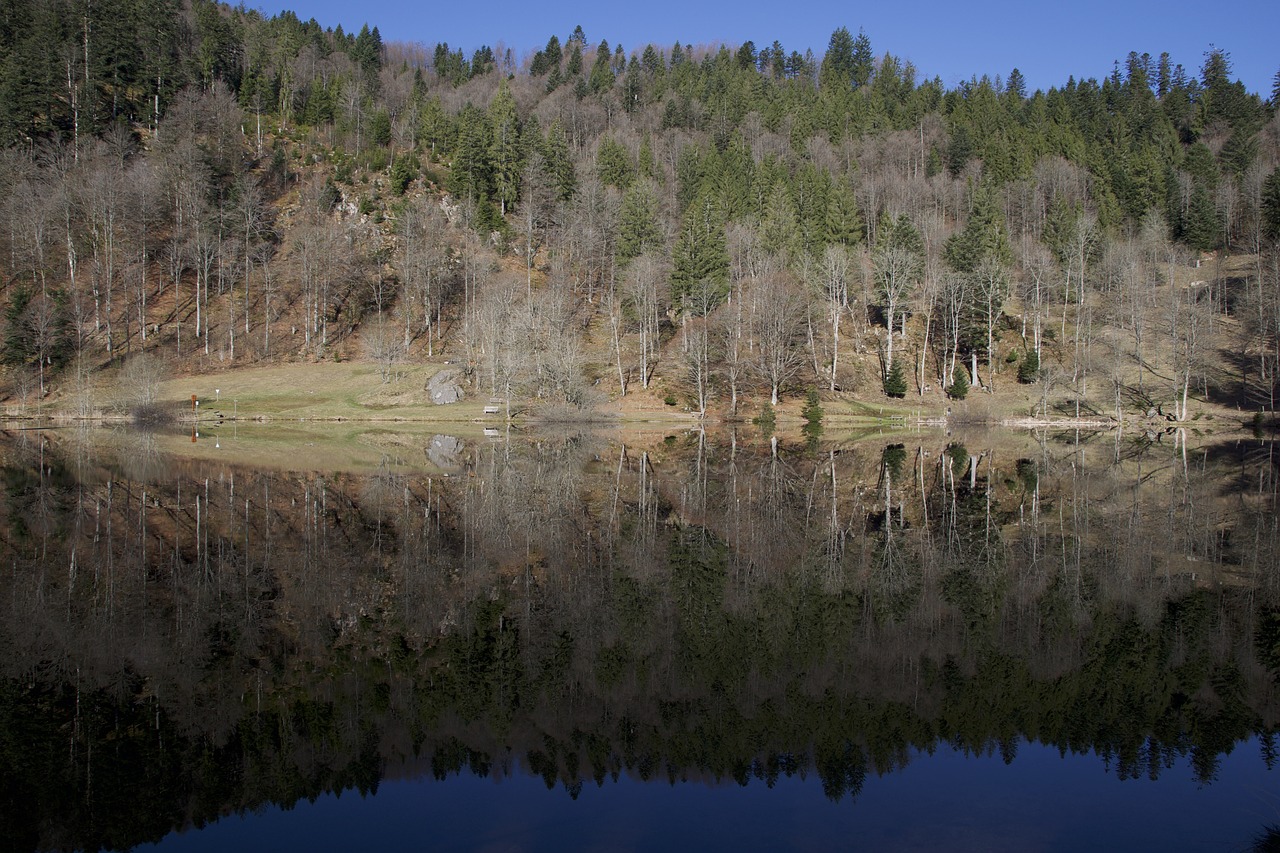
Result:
<point x="308" y="392"/>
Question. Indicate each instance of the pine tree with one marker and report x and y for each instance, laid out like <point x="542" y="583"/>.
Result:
<point x="863" y="60"/>
<point x="780" y="231"/>
<point x="983" y="238"/>
<point x="470" y="173"/>
<point x="844" y="220"/>
<point x="959" y="387"/>
<point x="1016" y="85"/>
<point x="559" y="163"/>
<point x="613" y="164"/>
<point x="638" y="222"/>
<point x="895" y="383"/>
<point x="1200" y="223"/>
<point x="838" y="64"/>
<point x="1271" y="204"/>
<point x="504" y="148"/>
<point x="602" y="71"/>
<point x="700" y="254"/>
<point x="1029" y="368"/>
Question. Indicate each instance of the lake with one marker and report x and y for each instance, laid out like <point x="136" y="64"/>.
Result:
<point x="268" y="638"/>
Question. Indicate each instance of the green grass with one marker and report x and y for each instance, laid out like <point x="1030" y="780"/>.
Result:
<point x="323" y="391"/>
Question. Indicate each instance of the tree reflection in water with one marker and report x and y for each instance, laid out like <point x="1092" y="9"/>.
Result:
<point x="188" y="638"/>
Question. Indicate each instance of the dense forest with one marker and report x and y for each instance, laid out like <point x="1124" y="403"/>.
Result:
<point x="199" y="186"/>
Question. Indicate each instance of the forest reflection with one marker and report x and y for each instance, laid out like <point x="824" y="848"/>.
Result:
<point x="186" y="638"/>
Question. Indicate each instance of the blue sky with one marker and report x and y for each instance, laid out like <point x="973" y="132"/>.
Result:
<point x="1048" y="42"/>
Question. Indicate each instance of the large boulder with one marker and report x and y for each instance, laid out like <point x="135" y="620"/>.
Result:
<point x="445" y="387"/>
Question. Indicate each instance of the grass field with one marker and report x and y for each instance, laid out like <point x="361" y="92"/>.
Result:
<point x="326" y="391"/>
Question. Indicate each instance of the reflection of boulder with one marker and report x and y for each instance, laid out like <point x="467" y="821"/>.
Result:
<point x="445" y="387"/>
<point x="443" y="451"/>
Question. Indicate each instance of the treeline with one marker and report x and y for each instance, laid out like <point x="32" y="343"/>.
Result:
<point x="742" y="216"/>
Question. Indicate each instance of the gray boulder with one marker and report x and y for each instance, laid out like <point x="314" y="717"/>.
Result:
<point x="445" y="387"/>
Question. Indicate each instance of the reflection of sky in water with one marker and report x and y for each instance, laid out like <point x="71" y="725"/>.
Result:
<point x="944" y="801"/>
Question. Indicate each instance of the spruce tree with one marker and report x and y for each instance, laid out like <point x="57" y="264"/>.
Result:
<point x="1029" y="368"/>
<point x="895" y="384"/>
<point x="1271" y="204"/>
<point x="638" y="229"/>
<point x="559" y="163"/>
<point x="844" y="220"/>
<point x="613" y="164"/>
<point x="838" y="64"/>
<point x="700" y="254"/>
<point x="780" y="231"/>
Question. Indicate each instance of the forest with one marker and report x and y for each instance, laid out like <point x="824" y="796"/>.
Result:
<point x="189" y="187"/>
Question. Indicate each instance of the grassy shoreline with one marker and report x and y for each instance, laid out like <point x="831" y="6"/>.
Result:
<point x="364" y="393"/>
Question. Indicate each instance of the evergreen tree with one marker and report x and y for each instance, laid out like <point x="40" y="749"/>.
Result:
<point x="638" y="230"/>
<point x="559" y="163"/>
<point x="1029" y="368"/>
<point x="700" y="254"/>
<point x="553" y="53"/>
<point x="504" y="148"/>
<point x="812" y="413"/>
<point x="1200" y="228"/>
<point x="983" y="238"/>
<point x="602" y="70"/>
<point x="895" y="383"/>
<point x="959" y="387"/>
<point x="366" y="51"/>
<point x="470" y="172"/>
<point x="863" y="60"/>
<point x="613" y="164"/>
<point x="1271" y="204"/>
<point x="1016" y="85"/>
<point x="780" y="230"/>
<point x="838" y="65"/>
<point x="844" y="219"/>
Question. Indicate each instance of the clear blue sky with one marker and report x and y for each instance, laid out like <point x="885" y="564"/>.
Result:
<point x="1048" y="42"/>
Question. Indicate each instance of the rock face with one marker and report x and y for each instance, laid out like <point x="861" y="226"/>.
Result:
<point x="445" y="387"/>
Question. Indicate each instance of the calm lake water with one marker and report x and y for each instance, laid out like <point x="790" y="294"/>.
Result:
<point x="336" y="639"/>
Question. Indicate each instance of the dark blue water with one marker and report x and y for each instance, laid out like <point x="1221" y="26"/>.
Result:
<point x="1042" y="801"/>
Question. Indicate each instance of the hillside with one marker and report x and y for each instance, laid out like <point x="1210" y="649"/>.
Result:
<point x="676" y="231"/>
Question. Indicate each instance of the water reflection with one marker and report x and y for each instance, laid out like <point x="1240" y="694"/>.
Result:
<point x="189" y="637"/>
